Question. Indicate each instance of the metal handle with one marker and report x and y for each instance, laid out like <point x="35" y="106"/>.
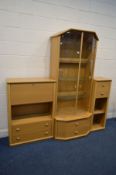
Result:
<point x="46" y="133"/>
<point x="76" y="124"/>
<point x="18" y="138"/>
<point x="18" y="129"/>
<point x="46" y="124"/>
<point x="76" y="132"/>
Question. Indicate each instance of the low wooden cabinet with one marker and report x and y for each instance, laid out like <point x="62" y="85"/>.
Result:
<point x="30" y="109"/>
<point x="99" y="102"/>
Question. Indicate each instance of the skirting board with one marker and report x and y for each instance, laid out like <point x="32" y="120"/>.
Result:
<point x="4" y="132"/>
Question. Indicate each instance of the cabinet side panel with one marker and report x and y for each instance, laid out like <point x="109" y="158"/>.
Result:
<point x="9" y="111"/>
<point x="55" y="44"/>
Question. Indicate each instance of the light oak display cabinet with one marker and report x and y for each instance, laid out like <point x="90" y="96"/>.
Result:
<point x="30" y="109"/>
<point x="72" y="64"/>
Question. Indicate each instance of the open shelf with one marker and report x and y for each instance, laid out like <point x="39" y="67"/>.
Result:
<point x="31" y="110"/>
<point x="31" y="118"/>
<point x="98" y="121"/>
<point x="99" y="111"/>
<point x="100" y="105"/>
<point x="71" y="94"/>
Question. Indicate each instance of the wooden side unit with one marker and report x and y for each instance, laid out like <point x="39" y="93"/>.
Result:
<point x="99" y="102"/>
<point x="30" y="109"/>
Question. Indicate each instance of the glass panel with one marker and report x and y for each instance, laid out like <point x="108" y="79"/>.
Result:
<point x="70" y="44"/>
<point x="86" y="72"/>
<point x="67" y="88"/>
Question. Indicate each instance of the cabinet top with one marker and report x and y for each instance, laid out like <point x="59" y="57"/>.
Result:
<point x="30" y="80"/>
<point x="78" y="30"/>
<point x="102" y="79"/>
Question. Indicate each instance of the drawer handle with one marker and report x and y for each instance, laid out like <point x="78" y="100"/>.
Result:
<point x="46" y="133"/>
<point x="103" y="86"/>
<point x="18" y="129"/>
<point x="76" y="124"/>
<point x="102" y="93"/>
<point x="76" y="132"/>
<point x="46" y="124"/>
<point x="18" y="138"/>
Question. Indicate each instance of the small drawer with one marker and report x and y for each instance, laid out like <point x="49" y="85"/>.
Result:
<point x="102" y="89"/>
<point x="31" y="93"/>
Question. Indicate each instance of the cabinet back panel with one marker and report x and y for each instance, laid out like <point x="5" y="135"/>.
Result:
<point x="31" y="109"/>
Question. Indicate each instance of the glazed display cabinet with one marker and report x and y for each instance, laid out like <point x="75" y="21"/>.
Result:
<point x="72" y="64"/>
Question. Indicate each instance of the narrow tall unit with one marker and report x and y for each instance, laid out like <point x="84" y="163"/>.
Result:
<point x="99" y="102"/>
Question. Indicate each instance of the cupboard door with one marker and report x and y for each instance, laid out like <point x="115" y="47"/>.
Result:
<point x="31" y="93"/>
<point x="86" y="71"/>
<point x="70" y="45"/>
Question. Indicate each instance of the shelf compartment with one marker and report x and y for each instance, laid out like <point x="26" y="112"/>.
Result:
<point x="98" y="121"/>
<point x="99" y="111"/>
<point x="100" y="105"/>
<point x="73" y="60"/>
<point x="31" y="110"/>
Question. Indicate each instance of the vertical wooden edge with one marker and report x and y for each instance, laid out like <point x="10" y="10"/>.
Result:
<point x="78" y="78"/>
<point x="54" y="65"/>
<point x="107" y="103"/>
<point x="9" y="113"/>
<point x="54" y="60"/>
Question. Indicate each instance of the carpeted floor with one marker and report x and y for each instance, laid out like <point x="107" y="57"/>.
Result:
<point x="91" y="155"/>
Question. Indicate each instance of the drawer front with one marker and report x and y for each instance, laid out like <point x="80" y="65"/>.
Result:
<point x="102" y="89"/>
<point x="31" y="93"/>
<point x="31" y="136"/>
<point x="72" y="128"/>
<point x="78" y="127"/>
<point x="31" y="128"/>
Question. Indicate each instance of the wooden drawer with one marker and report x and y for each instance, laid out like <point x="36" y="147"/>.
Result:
<point x="20" y="138"/>
<point x="102" y="89"/>
<point x="72" y="129"/>
<point x="31" y="93"/>
<point x="28" y="128"/>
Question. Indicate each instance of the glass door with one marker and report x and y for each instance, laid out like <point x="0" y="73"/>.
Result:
<point x="68" y="72"/>
<point x="86" y="71"/>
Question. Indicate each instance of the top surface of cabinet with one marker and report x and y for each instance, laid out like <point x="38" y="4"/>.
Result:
<point x="78" y="30"/>
<point x="29" y="80"/>
<point x="102" y="79"/>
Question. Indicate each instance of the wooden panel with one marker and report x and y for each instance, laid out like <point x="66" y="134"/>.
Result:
<point x="31" y="93"/>
<point x="102" y="89"/>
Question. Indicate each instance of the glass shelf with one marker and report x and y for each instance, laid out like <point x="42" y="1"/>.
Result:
<point x="73" y="60"/>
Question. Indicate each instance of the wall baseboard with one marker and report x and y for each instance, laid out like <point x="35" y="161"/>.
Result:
<point x="4" y="132"/>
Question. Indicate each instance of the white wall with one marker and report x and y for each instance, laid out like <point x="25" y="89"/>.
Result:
<point x="25" y="29"/>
